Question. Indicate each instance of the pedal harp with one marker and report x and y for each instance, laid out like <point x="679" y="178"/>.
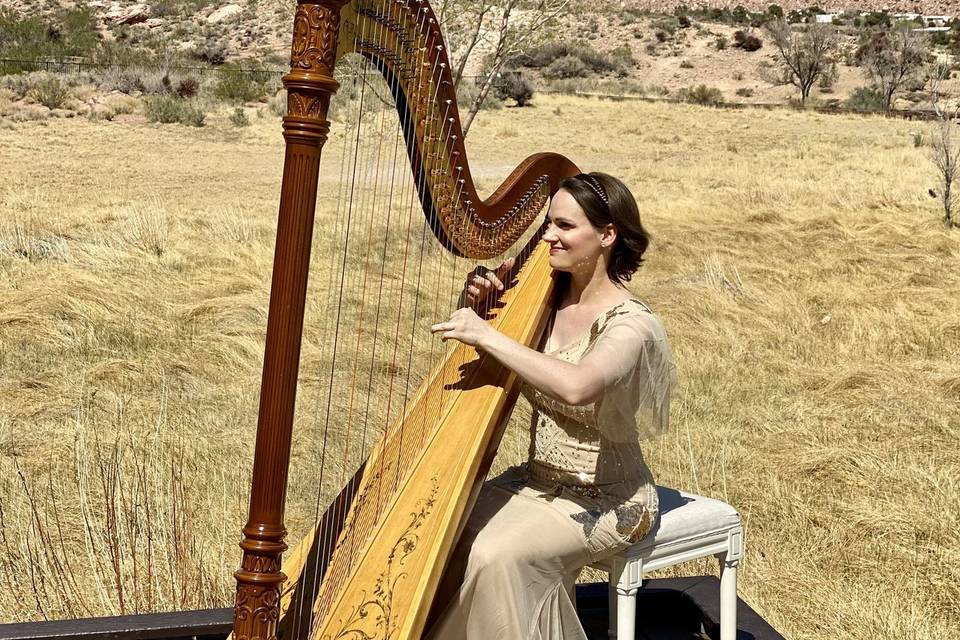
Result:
<point x="371" y="565"/>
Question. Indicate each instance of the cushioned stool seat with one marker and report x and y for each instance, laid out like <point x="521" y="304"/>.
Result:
<point x="689" y="527"/>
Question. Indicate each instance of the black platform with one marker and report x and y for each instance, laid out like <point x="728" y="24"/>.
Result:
<point x="672" y="609"/>
<point x="667" y="609"/>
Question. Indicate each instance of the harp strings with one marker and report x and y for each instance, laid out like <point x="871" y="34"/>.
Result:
<point x="375" y="354"/>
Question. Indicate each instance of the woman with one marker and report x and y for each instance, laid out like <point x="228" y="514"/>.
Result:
<point x="599" y="386"/>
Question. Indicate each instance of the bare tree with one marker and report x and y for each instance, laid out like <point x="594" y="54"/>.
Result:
<point x="892" y="60"/>
<point x="805" y="53"/>
<point x="945" y="147"/>
<point x="502" y="28"/>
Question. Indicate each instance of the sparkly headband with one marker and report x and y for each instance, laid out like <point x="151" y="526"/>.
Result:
<point x="595" y="185"/>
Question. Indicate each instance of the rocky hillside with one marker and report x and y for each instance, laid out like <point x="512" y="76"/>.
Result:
<point x="939" y="7"/>
<point x="655" y="55"/>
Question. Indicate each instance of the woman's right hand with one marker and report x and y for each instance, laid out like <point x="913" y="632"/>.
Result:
<point x="481" y="284"/>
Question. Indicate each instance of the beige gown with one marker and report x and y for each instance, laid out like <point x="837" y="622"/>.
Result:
<point x="584" y="493"/>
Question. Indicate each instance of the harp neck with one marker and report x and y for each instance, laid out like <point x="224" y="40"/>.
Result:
<point x="403" y="40"/>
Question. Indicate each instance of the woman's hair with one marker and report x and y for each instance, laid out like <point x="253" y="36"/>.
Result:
<point x="606" y="200"/>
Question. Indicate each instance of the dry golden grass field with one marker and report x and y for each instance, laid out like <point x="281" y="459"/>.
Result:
<point x="810" y="291"/>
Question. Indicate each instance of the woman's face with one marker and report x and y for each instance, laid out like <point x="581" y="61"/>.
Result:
<point x="575" y="244"/>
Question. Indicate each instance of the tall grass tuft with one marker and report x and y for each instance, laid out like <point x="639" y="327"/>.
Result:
<point x="149" y="228"/>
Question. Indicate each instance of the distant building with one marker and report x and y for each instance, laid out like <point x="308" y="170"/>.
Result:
<point x="825" y="18"/>
<point x="937" y="21"/>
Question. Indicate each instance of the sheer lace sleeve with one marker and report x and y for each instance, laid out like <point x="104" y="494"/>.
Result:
<point x="632" y="353"/>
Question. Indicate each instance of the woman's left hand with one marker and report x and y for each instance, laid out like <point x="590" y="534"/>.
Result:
<point x="464" y="325"/>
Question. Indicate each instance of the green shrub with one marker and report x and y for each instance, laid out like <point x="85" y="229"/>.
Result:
<point x="667" y="24"/>
<point x="514" y="85"/>
<point x="67" y="32"/>
<point x="50" y="92"/>
<point x="595" y="61"/>
<point x="740" y="14"/>
<point x="876" y="19"/>
<point x="865" y="99"/>
<point x="721" y="43"/>
<point x="240" y="85"/>
<point x="467" y="93"/>
<point x="702" y="94"/>
<point x="566" y="67"/>
<point x="167" y="109"/>
<point x="745" y="92"/>
<point x="239" y="117"/>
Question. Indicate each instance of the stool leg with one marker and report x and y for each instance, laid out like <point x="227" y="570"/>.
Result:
<point x="626" y="613"/>
<point x="612" y="607"/>
<point x="728" y="597"/>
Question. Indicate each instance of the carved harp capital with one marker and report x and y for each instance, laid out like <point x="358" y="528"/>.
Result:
<point x="310" y="83"/>
<point x="315" y="29"/>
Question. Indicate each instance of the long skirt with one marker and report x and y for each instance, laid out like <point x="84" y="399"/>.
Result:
<point x="512" y="574"/>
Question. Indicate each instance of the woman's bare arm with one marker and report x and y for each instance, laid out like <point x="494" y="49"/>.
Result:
<point x="575" y="384"/>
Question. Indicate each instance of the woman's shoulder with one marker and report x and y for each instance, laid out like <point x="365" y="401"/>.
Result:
<point x="634" y="313"/>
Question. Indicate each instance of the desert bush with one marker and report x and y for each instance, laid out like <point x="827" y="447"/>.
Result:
<point x="701" y="94"/>
<point x="162" y="8"/>
<point x="122" y="79"/>
<point x="66" y="32"/>
<point x="686" y="64"/>
<point x="745" y="92"/>
<point x="187" y="87"/>
<point x="515" y="86"/>
<point x="875" y="19"/>
<point x="167" y="109"/>
<point x="156" y="82"/>
<point x="865" y="99"/>
<point x="240" y="85"/>
<point x="721" y="43"/>
<point x="278" y="103"/>
<point x="566" y="67"/>
<point x="50" y="91"/>
<point x="747" y="41"/>
<point x="239" y="118"/>
<point x="596" y="61"/>
<point x="212" y="50"/>
<point x="467" y="92"/>
<point x="666" y="24"/>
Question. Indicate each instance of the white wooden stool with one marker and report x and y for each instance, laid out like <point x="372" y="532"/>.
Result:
<point x="689" y="527"/>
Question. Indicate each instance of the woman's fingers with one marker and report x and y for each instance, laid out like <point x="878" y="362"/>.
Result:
<point x="493" y="280"/>
<point x="497" y="277"/>
<point x="442" y="326"/>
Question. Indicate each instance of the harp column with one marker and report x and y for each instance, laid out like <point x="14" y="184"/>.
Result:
<point x="309" y="85"/>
